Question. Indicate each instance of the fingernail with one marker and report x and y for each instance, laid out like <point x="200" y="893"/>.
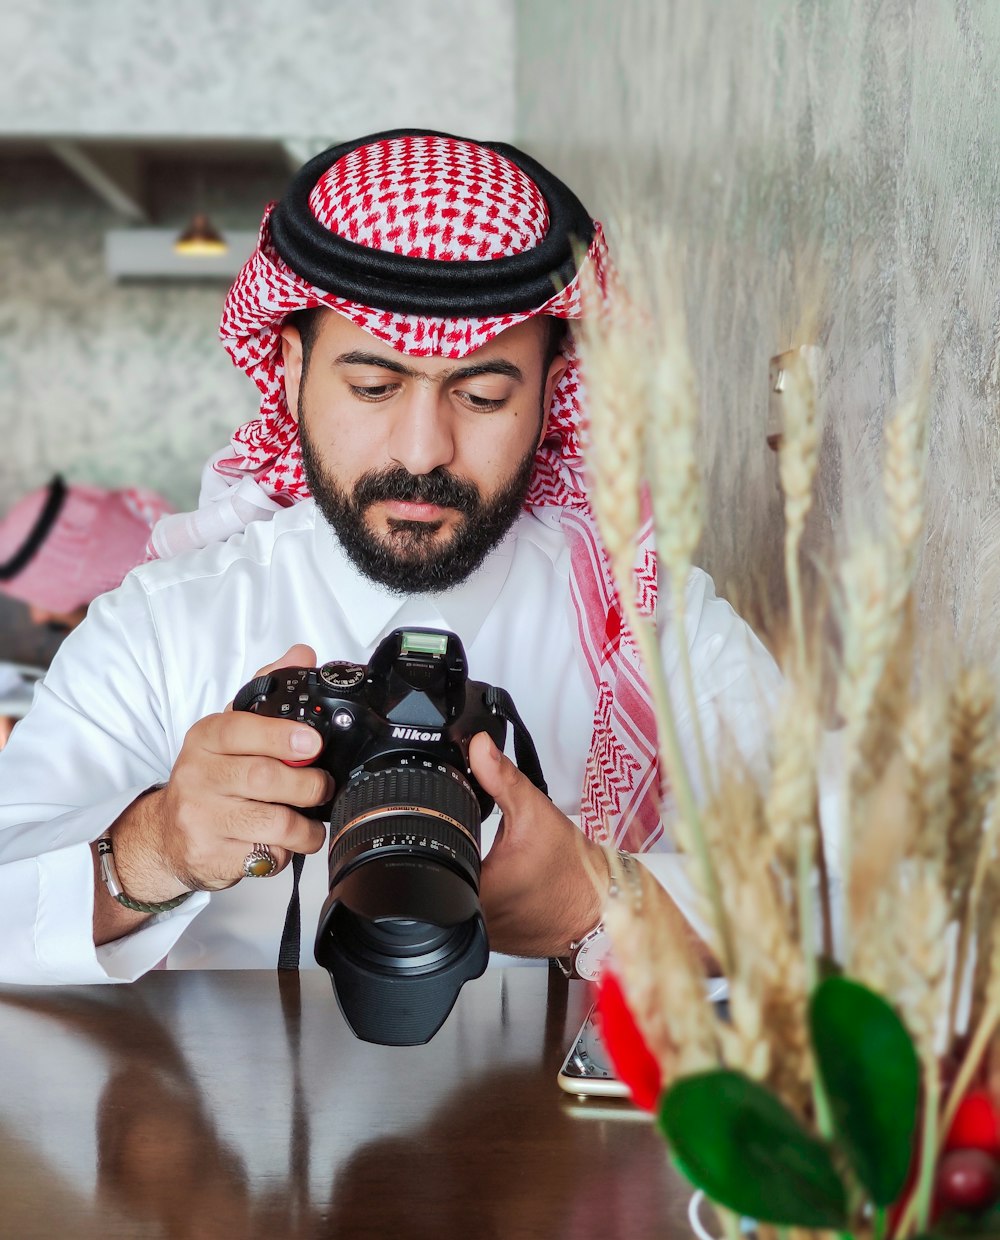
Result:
<point x="305" y="740"/>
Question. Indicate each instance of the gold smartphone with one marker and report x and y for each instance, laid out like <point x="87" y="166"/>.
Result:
<point x="587" y="1071"/>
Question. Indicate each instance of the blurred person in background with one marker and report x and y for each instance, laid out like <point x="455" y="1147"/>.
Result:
<point x="60" y="547"/>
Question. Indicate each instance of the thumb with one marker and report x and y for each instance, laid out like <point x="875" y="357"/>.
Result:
<point x="497" y="775"/>
<point x="298" y="655"/>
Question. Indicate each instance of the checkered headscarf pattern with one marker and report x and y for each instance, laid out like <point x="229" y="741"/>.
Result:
<point x="431" y="198"/>
<point x="437" y="197"/>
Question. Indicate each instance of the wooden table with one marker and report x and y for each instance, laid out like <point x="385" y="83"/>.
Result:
<point x="231" y="1104"/>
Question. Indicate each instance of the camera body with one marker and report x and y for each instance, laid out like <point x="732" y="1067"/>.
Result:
<point x="402" y="928"/>
<point x="411" y="702"/>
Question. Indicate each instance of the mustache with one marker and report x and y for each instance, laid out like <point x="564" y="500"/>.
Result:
<point x="438" y="487"/>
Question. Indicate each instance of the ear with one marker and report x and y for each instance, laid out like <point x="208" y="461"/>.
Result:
<point x="556" y="371"/>
<point x="291" y="356"/>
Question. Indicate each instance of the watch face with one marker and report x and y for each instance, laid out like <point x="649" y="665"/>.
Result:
<point x="589" y="958"/>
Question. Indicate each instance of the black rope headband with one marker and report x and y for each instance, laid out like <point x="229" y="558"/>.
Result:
<point x="430" y="286"/>
<point x="39" y="531"/>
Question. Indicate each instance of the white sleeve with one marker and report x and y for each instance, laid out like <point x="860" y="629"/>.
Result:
<point x="736" y="685"/>
<point x="90" y="744"/>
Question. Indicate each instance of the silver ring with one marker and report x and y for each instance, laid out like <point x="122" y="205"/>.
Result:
<point x="259" y="863"/>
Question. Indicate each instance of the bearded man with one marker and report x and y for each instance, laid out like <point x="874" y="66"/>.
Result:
<point x="416" y="462"/>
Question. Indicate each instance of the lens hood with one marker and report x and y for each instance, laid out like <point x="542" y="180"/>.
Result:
<point x="398" y="950"/>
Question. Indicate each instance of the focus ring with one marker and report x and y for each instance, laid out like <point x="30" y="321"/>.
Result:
<point x="394" y="796"/>
<point x="356" y="839"/>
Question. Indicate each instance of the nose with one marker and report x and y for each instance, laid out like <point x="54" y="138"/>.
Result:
<point x="421" y="437"/>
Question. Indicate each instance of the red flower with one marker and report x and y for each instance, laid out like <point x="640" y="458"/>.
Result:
<point x="629" y="1054"/>
<point x="976" y="1125"/>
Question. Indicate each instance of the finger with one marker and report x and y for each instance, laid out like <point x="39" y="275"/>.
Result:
<point x="270" y="779"/>
<point x="244" y="732"/>
<point x="298" y="655"/>
<point x="279" y="826"/>
<point x="498" y="776"/>
<point x="245" y="867"/>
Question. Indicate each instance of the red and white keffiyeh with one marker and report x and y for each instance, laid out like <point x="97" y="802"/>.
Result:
<point x="433" y="196"/>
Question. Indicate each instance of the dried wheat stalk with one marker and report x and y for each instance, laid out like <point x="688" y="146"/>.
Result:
<point x="971" y="777"/>
<point x="904" y="475"/>
<point x="662" y="976"/>
<point x="798" y="456"/>
<point x="920" y="830"/>
<point x="613" y="343"/>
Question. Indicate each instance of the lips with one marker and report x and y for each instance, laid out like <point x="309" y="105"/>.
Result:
<point x="403" y="510"/>
<point x="410" y="497"/>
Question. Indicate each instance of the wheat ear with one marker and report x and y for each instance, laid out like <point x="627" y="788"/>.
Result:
<point x="618" y="405"/>
<point x="798" y="455"/>
<point x="675" y="488"/>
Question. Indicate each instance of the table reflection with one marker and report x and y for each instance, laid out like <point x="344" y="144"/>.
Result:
<point x="235" y="1105"/>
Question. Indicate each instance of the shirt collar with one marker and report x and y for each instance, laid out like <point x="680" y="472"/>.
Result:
<point x="370" y="610"/>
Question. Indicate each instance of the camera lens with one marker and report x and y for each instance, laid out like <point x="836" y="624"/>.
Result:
<point x="410" y="806"/>
<point x="398" y="944"/>
<point x="402" y="928"/>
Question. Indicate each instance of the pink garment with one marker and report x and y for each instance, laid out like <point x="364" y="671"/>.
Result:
<point x="433" y="196"/>
<point x="96" y="538"/>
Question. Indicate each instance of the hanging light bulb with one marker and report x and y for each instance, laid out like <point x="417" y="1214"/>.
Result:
<point x="200" y="238"/>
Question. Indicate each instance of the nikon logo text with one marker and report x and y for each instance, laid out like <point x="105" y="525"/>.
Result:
<point x="414" y="734"/>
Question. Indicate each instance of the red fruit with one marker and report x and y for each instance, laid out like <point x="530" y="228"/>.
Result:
<point x="976" y="1125"/>
<point x="629" y="1054"/>
<point x="967" y="1180"/>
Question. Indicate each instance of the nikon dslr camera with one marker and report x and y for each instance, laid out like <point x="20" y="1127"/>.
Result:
<point x="402" y="928"/>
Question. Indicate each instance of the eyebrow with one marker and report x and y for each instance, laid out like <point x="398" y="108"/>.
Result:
<point x="499" y="367"/>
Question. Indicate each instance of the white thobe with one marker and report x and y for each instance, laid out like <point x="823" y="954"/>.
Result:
<point x="177" y="640"/>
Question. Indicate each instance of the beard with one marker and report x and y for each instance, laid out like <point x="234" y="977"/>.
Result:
<point x="407" y="559"/>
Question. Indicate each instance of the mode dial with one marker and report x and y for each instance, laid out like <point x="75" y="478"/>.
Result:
<point x="342" y="677"/>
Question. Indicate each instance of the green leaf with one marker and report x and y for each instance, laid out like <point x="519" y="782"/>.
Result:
<point x="871" y="1075"/>
<point x="734" y="1140"/>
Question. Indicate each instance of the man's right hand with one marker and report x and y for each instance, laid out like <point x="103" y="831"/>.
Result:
<point x="230" y="788"/>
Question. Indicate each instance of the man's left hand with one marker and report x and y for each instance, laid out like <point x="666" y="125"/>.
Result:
<point x="543" y="882"/>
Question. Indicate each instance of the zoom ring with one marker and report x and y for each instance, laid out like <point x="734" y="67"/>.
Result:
<point x="453" y="842"/>
<point x="392" y="796"/>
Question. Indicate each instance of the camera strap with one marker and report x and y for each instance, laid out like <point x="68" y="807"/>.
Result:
<point x="291" y="931"/>
<point x="502" y="704"/>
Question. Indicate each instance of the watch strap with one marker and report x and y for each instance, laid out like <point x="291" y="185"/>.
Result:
<point x="630" y="885"/>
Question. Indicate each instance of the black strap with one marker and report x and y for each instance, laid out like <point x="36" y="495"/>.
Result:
<point x="39" y="531"/>
<point x="500" y="701"/>
<point x="291" y="933"/>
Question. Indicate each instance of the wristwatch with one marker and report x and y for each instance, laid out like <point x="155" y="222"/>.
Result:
<point x="588" y="954"/>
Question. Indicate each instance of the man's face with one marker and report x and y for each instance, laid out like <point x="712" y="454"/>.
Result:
<point x="421" y="465"/>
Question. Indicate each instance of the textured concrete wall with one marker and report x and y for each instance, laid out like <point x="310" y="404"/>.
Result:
<point x="294" y="69"/>
<point x="855" y="140"/>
